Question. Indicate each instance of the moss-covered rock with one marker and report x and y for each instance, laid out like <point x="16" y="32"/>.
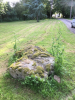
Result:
<point x="32" y="60"/>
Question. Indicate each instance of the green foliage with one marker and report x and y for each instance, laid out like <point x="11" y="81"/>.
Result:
<point x="7" y="75"/>
<point x="57" y="50"/>
<point x="44" y="87"/>
<point x="7" y="19"/>
<point x="37" y="84"/>
<point x="33" y="82"/>
<point x="16" y="54"/>
<point x="73" y="96"/>
<point x="35" y="9"/>
<point x="15" y="44"/>
<point x="64" y="7"/>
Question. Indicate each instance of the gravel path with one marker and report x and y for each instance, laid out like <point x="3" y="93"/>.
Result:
<point x="68" y="24"/>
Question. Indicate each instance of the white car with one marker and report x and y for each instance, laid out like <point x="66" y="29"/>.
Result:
<point x="73" y="23"/>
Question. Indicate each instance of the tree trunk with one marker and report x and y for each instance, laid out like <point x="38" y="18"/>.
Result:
<point x="37" y="19"/>
<point x="50" y="13"/>
<point x="74" y="12"/>
<point x="71" y="12"/>
<point x="71" y="9"/>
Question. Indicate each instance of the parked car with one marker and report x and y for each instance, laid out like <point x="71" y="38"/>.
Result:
<point x="73" y="23"/>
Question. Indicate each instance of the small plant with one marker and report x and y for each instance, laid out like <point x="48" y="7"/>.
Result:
<point x="73" y="97"/>
<point x="7" y="75"/>
<point x="14" y="57"/>
<point x="57" y="50"/>
<point x="33" y="82"/>
<point x="44" y="86"/>
<point x="15" y="44"/>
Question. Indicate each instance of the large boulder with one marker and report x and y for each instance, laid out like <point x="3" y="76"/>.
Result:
<point x="33" y="60"/>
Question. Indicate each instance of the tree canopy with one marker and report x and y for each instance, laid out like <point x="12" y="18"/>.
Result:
<point x="36" y="9"/>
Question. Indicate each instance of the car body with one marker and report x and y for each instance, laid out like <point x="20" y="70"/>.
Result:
<point x="73" y="23"/>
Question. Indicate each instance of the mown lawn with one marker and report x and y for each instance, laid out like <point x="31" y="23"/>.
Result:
<point x="41" y="34"/>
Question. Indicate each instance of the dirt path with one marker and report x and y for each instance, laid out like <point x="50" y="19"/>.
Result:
<point x="68" y="24"/>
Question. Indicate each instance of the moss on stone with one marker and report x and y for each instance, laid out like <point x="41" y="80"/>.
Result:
<point x="19" y="53"/>
<point x="31" y="72"/>
<point x="35" y="49"/>
<point x="34" y="64"/>
<point x="20" y="59"/>
<point x="36" y="75"/>
<point x="36" y="54"/>
<point x="20" y="69"/>
<point x="44" y="54"/>
<point x="25" y="53"/>
<point x="15" y="66"/>
<point x="39" y="70"/>
<point x="25" y="56"/>
<point x="26" y="69"/>
<point x="42" y="75"/>
<point x="29" y="51"/>
<point x="42" y="49"/>
<point x="48" y="67"/>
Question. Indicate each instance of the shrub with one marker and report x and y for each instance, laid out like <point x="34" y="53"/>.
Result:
<point x="0" y="20"/>
<point x="15" y="19"/>
<point x="8" y="19"/>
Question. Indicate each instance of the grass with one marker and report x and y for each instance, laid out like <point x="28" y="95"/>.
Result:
<point x="41" y="34"/>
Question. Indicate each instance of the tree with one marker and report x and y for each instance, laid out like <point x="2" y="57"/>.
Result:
<point x="68" y="3"/>
<point x="35" y="9"/>
<point x="1" y="9"/>
<point x="18" y="8"/>
<point x="51" y="6"/>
